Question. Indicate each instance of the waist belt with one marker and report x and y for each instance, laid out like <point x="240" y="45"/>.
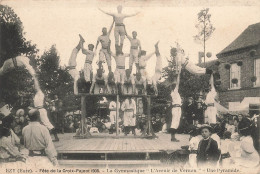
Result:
<point x="141" y="67"/>
<point x="176" y="105"/>
<point x="120" y="67"/>
<point x="119" y="24"/>
<point x="127" y="83"/>
<point x="100" y="82"/>
<point x="112" y="109"/>
<point x="42" y="153"/>
<point x="111" y="83"/>
<point x="210" y="104"/>
<point x="139" y="85"/>
<point x="129" y="110"/>
<point x="70" y="67"/>
<point x="134" y="47"/>
<point x="225" y="155"/>
<point x="193" y="152"/>
<point x="39" y="107"/>
<point x="88" y="61"/>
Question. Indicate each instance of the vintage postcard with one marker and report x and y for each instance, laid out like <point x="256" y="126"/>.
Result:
<point x="131" y="86"/>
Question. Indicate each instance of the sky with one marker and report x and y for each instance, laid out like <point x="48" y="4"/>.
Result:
<point x="59" y="22"/>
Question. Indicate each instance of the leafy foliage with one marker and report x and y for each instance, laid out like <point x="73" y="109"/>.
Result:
<point x="204" y="26"/>
<point x="56" y="81"/>
<point x="15" y="85"/>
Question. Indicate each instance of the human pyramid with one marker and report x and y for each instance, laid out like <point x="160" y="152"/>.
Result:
<point x="121" y="80"/>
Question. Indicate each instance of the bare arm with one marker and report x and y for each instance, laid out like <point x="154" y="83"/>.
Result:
<point x="128" y="37"/>
<point x="178" y="80"/>
<point x="126" y="16"/>
<point x="140" y="47"/>
<point x="110" y="14"/>
<point x="97" y="44"/>
<point x="110" y="29"/>
<point x="84" y="51"/>
<point x="92" y="87"/>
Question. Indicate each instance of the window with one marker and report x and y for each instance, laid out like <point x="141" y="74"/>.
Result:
<point x="257" y="72"/>
<point x="234" y="74"/>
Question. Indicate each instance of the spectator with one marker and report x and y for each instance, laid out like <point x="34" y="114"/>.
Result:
<point x="249" y="156"/>
<point x="199" y="113"/>
<point x="8" y="152"/>
<point x="142" y="123"/>
<point x="101" y="127"/>
<point x="242" y="122"/>
<point x="158" y="124"/>
<point x="60" y="116"/>
<point x="7" y="123"/>
<point x="215" y="132"/>
<point x="76" y="124"/>
<point x="37" y="138"/>
<point x="230" y="126"/>
<point x="227" y="149"/>
<point x="129" y="109"/>
<point x="23" y="121"/>
<point x="71" y="124"/>
<point x="193" y="147"/>
<point x="208" y="153"/>
<point x="16" y="126"/>
<point x="164" y="125"/>
<point x="190" y="111"/>
<point x="222" y="123"/>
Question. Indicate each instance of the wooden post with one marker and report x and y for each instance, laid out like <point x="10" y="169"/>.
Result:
<point x="83" y="113"/>
<point x="117" y="113"/>
<point x="83" y="131"/>
<point x="149" y="133"/>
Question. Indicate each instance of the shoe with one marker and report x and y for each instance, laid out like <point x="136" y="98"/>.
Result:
<point x="81" y="38"/>
<point x="56" y="140"/>
<point x="175" y="140"/>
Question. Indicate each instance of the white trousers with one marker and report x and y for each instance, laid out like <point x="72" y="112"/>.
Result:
<point x="87" y="72"/>
<point x="44" y="119"/>
<point x="176" y="116"/>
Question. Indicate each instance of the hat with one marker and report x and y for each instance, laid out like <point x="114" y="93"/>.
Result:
<point x="206" y="126"/>
<point x="19" y="111"/>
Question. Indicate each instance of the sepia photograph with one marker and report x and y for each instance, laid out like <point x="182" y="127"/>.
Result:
<point x="129" y="86"/>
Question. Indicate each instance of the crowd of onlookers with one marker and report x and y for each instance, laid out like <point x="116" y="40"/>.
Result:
<point x="233" y="134"/>
<point x="233" y="142"/>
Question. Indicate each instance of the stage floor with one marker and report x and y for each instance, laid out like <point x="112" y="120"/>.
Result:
<point x="109" y="143"/>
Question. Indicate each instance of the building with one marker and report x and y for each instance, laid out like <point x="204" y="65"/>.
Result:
<point x="239" y="68"/>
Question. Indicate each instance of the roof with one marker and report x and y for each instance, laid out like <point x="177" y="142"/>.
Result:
<point x="249" y="37"/>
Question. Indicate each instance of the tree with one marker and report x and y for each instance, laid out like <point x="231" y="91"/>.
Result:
<point x="205" y="29"/>
<point x="17" y="84"/>
<point x="54" y="80"/>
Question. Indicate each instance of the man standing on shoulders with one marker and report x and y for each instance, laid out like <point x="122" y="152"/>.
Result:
<point x="38" y="139"/>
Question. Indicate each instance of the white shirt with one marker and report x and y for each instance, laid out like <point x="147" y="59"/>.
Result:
<point x="194" y="143"/>
<point x="37" y="137"/>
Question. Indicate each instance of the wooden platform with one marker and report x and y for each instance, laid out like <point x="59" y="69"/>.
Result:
<point x="107" y="143"/>
<point x="107" y="149"/>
